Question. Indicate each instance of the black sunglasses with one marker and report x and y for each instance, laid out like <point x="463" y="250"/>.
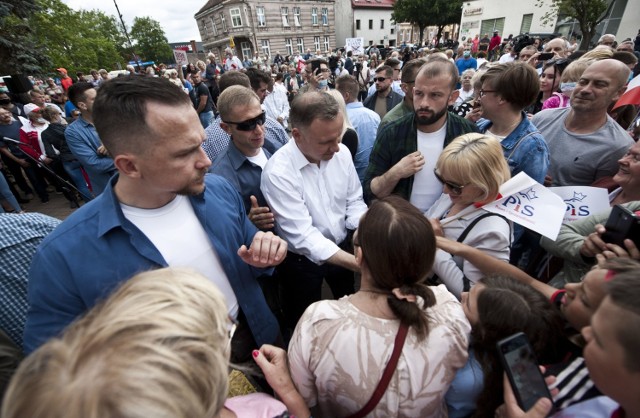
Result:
<point x="380" y="79"/>
<point x="455" y="189"/>
<point x="250" y="124"/>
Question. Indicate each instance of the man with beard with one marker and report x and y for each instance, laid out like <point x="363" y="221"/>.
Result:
<point x="406" y="150"/>
<point x="384" y="99"/>
<point x="585" y="143"/>
<point x="160" y="210"/>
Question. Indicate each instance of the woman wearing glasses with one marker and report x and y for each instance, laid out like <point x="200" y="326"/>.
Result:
<point x="471" y="168"/>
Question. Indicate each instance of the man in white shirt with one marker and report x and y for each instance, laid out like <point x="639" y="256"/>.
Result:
<point x="312" y="187"/>
<point x="276" y="103"/>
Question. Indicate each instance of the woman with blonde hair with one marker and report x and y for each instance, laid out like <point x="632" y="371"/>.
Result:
<point x="157" y="347"/>
<point x="395" y="325"/>
<point x="471" y="168"/>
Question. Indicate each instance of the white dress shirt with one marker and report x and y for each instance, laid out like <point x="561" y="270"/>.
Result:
<point x="313" y="205"/>
<point x="276" y="104"/>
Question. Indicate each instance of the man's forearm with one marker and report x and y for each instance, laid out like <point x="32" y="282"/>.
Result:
<point x="203" y="104"/>
<point x="382" y="186"/>
<point x="344" y="259"/>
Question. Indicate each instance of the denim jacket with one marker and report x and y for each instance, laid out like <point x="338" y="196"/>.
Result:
<point x="525" y="149"/>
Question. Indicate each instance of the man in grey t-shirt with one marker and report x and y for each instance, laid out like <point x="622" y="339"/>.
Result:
<point x="585" y="144"/>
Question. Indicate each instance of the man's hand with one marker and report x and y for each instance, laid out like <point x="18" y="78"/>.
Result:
<point x="511" y="409"/>
<point x="593" y="243"/>
<point x="409" y="165"/>
<point x="23" y="163"/>
<point x="474" y="115"/>
<point x="261" y="216"/>
<point x="102" y="150"/>
<point x="616" y="251"/>
<point x="47" y="160"/>
<point x="266" y="250"/>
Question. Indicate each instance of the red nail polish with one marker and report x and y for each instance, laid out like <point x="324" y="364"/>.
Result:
<point x="255" y="353"/>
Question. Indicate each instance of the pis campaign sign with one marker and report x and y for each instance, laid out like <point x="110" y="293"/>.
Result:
<point x="356" y="45"/>
<point x="582" y="201"/>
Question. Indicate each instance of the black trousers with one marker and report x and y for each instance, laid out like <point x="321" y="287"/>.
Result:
<point x="301" y="283"/>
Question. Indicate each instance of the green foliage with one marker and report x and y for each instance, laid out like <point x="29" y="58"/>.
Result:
<point x="588" y="14"/>
<point x="78" y="40"/>
<point x="150" y="40"/>
<point x="423" y="13"/>
<point x="19" y="51"/>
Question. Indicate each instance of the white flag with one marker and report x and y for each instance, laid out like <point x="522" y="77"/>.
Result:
<point x="582" y="201"/>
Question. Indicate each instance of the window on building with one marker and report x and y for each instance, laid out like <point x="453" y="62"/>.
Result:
<point x="289" y="45"/>
<point x="525" y="26"/>
<point x="357" y="24"/>
<point x="488" y="26"/>
<point x="325" y="16"/>
<point x="204" y="28"/>
<point x="392" y="29"/>
<point x="246" y="50"/>
<point x="266" y="49"/>
<point x="326" y="44"/>
<point x="314" y="16"/>
<point x="284" y="11"/>
<point x="236" y="19"/>
<point x="262" y="20"/>
<point x="223" y="22"/>
<point x="213" y="26"/>
<point x="370" y="23"/>
<point x="381" y="23"/>
<point x="296" y="16"/>
<point x="316" y="43"/>
<point x="301" y="45"/>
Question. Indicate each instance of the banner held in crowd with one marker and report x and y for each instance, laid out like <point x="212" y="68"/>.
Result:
<point x="582" y="201"/>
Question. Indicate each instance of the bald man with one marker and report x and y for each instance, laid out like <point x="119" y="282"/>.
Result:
<point x="585" y="144"/>
<point x="558" y="46"/>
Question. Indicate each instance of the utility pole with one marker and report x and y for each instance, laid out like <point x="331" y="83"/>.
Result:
<point x="124" y="28"/>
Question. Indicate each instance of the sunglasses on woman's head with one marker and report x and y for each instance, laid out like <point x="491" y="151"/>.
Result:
<point x="250" y="124"/>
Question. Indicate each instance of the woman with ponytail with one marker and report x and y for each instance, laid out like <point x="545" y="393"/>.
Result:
<point x="340" y="349"/>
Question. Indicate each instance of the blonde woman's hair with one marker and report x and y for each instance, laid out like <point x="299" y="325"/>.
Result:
<point x="343" y="109"/>
<point x="157" y="347"/>
<point x="597" y="54"/>
<point x="574" y="71"/>
<point x="201" y="65"/>
<point x="475" y="159"/>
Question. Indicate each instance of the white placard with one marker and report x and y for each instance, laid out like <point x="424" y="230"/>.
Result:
<point x="356" y="45"/>
<point x="180" y="56"/>
<point x="582" y="201"/>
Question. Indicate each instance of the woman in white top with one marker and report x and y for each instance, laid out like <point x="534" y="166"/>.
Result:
<point x="340" y="349"/>
<point x="466" y="91"/>
<point x="471" y="168"/>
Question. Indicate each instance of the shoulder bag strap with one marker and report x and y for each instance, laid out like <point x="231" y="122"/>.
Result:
<point x="401" y="336"/>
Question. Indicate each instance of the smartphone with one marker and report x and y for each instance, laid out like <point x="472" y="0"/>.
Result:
<point x="315" y="67"/>
<point x="622" y="224"/>
<point x="545" y="56"/>
<point x="520" y="363"/>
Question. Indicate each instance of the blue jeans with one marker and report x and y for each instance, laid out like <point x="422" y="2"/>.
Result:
<point x="74" y="169"/>
<point x="206" y="118"/>
<point x="5" y="194"/>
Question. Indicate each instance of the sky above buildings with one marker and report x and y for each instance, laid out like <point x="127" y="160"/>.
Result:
<point x="175" y="16"/>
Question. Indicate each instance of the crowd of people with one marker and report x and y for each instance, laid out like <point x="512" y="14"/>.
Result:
<point x="215" y="200"/>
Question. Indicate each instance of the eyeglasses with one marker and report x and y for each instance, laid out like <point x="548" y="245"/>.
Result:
<point x="250" y="124"/>
<point x="455" y="189"/>
<point x="484" y="92"/>
<point x="380" y="79"/>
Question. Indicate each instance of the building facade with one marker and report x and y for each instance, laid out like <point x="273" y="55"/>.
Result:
<point x="267" y="26"/>
<point x="372" y="21"/>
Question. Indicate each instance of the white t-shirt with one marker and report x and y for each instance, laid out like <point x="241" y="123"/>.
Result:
<point x="178" y="235"/>
<point x="260" y="159"/>
<point x="426" y="187"/>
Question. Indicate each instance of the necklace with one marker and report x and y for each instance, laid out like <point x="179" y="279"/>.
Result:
<point x="379" y="292"/>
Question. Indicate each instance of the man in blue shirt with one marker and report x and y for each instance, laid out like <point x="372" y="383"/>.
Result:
<point x="466" y="61"/>
<point x="160" y="210"/>
<point x="83" y="139"/>
<point x="365" y="122"/>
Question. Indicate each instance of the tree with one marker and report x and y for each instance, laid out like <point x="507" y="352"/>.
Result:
<point x="150" y="40"/>
<point x="423" y="13"/>
<point x="19" y="51"/>
<point x="588" y="13"/>
<point x="79" y="40"/>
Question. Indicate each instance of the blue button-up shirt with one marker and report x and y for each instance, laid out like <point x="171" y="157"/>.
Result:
<point x="365" y="122"/>
<point x="83" y="141"/>
<point x="97" y="248"/>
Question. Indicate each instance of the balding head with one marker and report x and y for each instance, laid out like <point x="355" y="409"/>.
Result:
<point x="601" y="84"/>
<point x="557" y="46"/>
<point x="616" y="69"/>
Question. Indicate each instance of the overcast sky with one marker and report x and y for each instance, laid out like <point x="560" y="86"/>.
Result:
<point x="175" y="16"/>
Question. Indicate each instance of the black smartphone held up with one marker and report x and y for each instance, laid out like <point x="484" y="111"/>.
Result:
<point x="520" y="363"/>
<point x="545" y="56"/>
<point x="622" y="224"/>
<point x="315" y="67"/>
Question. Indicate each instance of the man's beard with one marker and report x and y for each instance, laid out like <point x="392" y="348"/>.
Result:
<point x="429" y="120"/>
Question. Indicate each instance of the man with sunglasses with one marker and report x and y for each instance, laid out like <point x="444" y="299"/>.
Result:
<point x="244" y="159"/>
<point x="312" y="187"/>
<point x="585" y="143"/>
<point x="407" y="81"/>
<point x="406" y="150"/>
<point x="384" y="99"/>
